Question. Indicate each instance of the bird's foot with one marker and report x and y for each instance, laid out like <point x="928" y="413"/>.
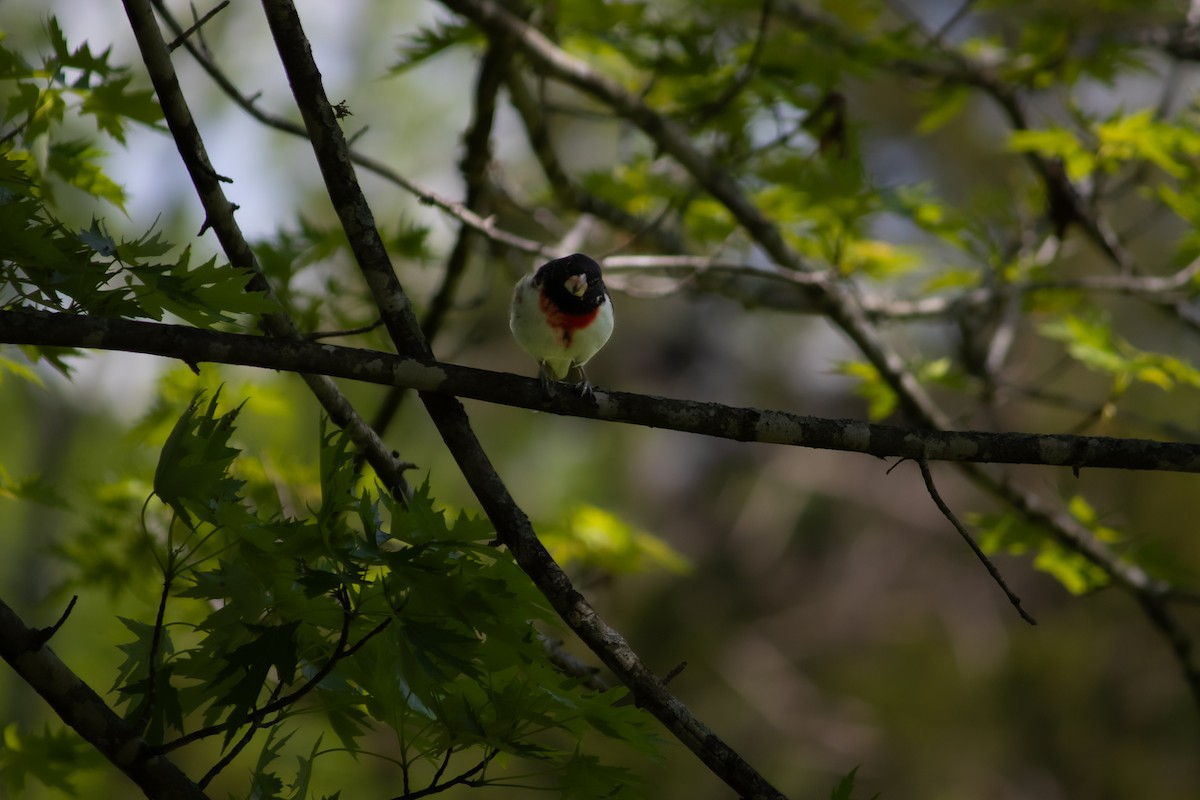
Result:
<point x="584" y="387"/>
<point x="547" y="382"/>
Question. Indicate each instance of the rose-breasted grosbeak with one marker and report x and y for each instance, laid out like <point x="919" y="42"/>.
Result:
<point x="562" y="315"/>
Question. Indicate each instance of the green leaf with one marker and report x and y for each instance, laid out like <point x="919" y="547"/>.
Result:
<point x="105" y="549"/>
<point x="584" y="777"/>
<point x="264" y="783"/>
<point x="81" y="58"/>
<point x="192" y="475"/>
<point x="845" y="787"/>
<point x="433" y="40"/>
<point x="133" y="680"/>
<point x="271" y="647"/>
<point x="945" y="103"/>
<point x="98" y="240"/>
<point x="202" y="294"/>
<point x="54" y="758"/>
<point x="1078" y="160"/>
<point x="22" y="371"/>
<point x="1010" y="534"/>
<point x="1140" y="136"/>
<point x="31" y="489"/>
<point x="881" y="398"/>
<point x="876" y="259"/>
<point x="304" y="772"/>
<point x="77" y="163"/>
<point x="112" y="103"/>
<point x="1092" y="342"/>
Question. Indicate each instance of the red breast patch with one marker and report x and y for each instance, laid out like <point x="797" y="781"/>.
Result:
<point x="563" y="322"/>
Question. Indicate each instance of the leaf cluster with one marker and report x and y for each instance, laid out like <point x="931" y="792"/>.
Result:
<point x="48" y="264"/>
<point x="379" y="615"/>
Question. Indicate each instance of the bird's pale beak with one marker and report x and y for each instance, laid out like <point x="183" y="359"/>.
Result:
<point x="576" y="284"/>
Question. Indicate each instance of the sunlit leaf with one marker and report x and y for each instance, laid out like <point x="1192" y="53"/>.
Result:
<point x="597" y="538"/>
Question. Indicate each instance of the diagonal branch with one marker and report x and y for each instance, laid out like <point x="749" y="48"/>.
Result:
<point x="927" y="476"/>
<point x="459" y="211"/>
<point x="86" y="712"/>
<point x="219" y="216"/>
<point x="512" y="525"/>
<point x="476" y="160"/>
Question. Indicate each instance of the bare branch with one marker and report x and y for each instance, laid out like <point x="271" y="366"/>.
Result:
<point x="966" y="535"/>
<point x="474" y="168"/>
<point x="709" y="419"/>
<point x="195" y="26"/>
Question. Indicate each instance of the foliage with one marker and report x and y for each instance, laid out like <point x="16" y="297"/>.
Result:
<point x="47" y="263"/>
<point x="989" y="206"/>
<point x="375" y="614"/>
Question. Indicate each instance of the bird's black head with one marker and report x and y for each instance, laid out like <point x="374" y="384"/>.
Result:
<point x="573" y="283"/>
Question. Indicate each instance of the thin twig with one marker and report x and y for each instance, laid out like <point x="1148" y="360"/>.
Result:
<point x="474" y="165"/>
<point x="318" y="335"/>
<point x="441" y="770"/>
<point x="745" y="74"/>
<point x="463" y="778"/>
<point x="959" y="14"/>
<point x="46" y="634"/>
<point x="567" y="190"/>
<point x="144" y="718"/>
<point x="965" y="534"/>
<point x="178" y="40"/>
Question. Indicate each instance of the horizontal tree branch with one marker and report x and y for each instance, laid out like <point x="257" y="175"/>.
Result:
<point x="710" y="419"/>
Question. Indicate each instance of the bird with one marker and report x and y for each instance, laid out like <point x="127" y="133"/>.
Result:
<point x="562" y="315"/>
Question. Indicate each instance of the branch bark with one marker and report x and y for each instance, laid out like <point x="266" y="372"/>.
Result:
<point x="25" y="650"/>
<point x="689" y="416"/>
